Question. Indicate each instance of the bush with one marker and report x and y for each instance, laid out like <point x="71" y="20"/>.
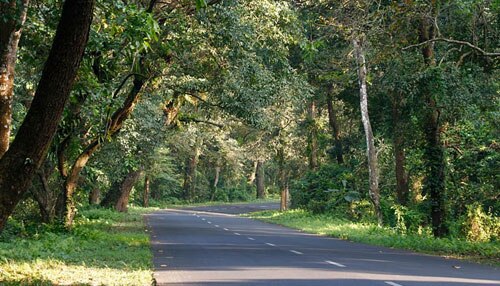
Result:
<point x="329" y="189"/>
<point x="479" y="226"/>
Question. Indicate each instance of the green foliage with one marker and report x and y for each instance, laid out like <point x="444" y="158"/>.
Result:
<point x="327" y="190"/>
<point x="479" y="226"/>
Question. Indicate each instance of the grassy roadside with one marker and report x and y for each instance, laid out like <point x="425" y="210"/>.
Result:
<point x="104" y="248"/>
<point x="488" y="253"/>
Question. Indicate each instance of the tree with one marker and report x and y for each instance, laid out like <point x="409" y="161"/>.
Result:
<point x="19" y="164"/>
<point x="358" y="42"/>
<point x="13" y="15"/>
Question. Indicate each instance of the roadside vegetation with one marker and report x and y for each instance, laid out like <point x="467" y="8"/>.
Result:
<point x="420" y="240"/>
<point x="385" y="112"/>
<point x="103" y="248"/>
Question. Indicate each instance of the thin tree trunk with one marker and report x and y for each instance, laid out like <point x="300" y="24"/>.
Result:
<point x="334" y="125"/>
<point x="434" y="158"/>
<point x="145" y="199"/>
<point x="190" y="172"/>
<point x="313" y="136"/>
<point x="259" y="180"/>
<point x="358" y="42"/>
<point x="216" y="181"/>
<point x="217" y="175"/>
<point x="402" y="188"/>
<point x="283" y="180"/>
<point x="10" y="33"/>
<point x="20" y="163"/>
<point x="251" y="178"/>
<point x="284" y="197"/>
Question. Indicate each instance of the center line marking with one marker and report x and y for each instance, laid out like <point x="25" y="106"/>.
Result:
<point x="251" y="238"/>
<point x="226" y="229"/>
<point x="237" y="233"/>
<point x="216" y="225"/>
<point x="296" y="252"/>
<point x="392" y="283"/>
<point x="336" y="264"/>
<point x="270" y="244"/>
<point x="209" y="222"/>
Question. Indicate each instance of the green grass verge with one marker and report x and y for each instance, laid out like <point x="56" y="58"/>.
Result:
<point x="104" y="248"/>
<point x="328" y="225"/>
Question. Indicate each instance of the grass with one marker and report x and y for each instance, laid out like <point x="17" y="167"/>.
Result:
<point x="488" y="253"/>
<point x="104" y="248"/>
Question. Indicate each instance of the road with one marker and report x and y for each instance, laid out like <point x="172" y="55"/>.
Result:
<point x="214" y="246"/>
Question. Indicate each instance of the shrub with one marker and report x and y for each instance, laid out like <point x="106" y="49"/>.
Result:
<point x="479" y="226"/>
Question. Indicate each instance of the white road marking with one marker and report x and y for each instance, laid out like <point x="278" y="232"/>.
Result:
<point x="334" y="263"/>
<point x="296" y="252"/>
<point x="216" y="225"/>
<point x="163" y="265"/>
<point x="226" y="229"/>
<point x="203" y="219"/>
<point x="270" y="244"/>
<point x="209" y="222"/>
<point x="392" y="283"/>
<point x="251" y="238"/>
<point x="237" y="233"/>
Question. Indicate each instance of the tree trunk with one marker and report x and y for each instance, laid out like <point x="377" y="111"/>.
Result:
<point x="251" y="178"/>
<point x="259" y="180"/>
<point x="402" y="188"/>
<point x="190" y="172"/>
<point x="145" y="199"/>
<point x="119" y="194"/>
<point x="10" y="33"/>
<point x="313" y="136"/>
<point x="284" y="197"/>
<point x="334" y="125"/>
<point x="114" y="126"/>
<point x="358" y="42"/>
<point x="95" y="196"/>
<point x="217" y="175"/>
<point x="20" y="163"/>
<point x="434" y="158"/>
<point x="283" y="180"/>
<point x="45" y="198"/>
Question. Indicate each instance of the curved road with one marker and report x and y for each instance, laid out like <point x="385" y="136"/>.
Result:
<point x="212" y="245"/>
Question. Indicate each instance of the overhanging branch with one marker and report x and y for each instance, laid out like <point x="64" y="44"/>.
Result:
<point x="463" y="43"/>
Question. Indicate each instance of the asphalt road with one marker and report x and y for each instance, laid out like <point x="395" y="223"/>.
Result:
<point x="214" y="246"/>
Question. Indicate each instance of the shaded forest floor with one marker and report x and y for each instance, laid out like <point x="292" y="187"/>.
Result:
<point x="370" y="233"/>
<point x="104" y="248"/>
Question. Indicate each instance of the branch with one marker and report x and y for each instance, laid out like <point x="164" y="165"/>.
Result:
<point x="203" y="100"/>
<point x="463" y="43"/>
<point x="201" y="121"/>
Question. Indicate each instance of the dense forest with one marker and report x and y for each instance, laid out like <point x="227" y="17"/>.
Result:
<point x="374" y="111"/>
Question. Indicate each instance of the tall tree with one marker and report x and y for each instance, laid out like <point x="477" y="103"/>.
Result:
<point x="20" y="163"/>
<point x="12" y="17"/>
<point x="358" y="42"/>
<point x="260" y="180"/>
<point x="433" y="150"/>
